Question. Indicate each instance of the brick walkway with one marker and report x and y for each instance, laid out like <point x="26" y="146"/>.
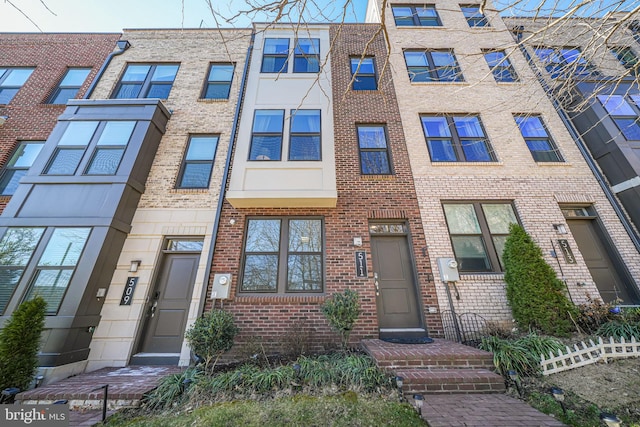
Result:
<point x="482" y="410"/>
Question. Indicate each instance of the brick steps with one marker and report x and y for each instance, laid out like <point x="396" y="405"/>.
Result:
<point x="437" y="368"/>
<point x="424" y="381"/>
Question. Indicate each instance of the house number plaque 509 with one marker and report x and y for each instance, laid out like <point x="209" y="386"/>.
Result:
<point x="127" y="294"/>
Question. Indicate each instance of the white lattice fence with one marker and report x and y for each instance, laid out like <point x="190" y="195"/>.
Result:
<point x="583" y="354"/>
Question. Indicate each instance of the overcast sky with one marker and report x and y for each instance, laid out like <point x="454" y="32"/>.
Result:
<point x="115" y="15"/>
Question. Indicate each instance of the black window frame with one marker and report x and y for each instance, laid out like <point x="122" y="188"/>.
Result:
<point x="457" y="140"/>
<point x="186" y="162"/>
<point x="89" y="150"/>
<point x="299" y="56"/>
<point x="283" y="253"/>
<point x="557" y="65"/>
<point x="386" y="150"/>
<point x="626" y="130"/>
<point x="4" y="76"/>
<point x="622" y="53"/>
<point x="476" y="19"/>
<point x="309" y="134"/>
<point x="53" y="98"/>
<point x="362" y="80"/>
<point x="431" y="72"/>
<point x="414" y="19"/>
<point x="486" y="237"/>
<point x="529" y="139"/>
<point x="9" y="170"/>
<point x="209" y="83"/>
<point x="255" y="134"/>
<point x="502" y="67"/>
<point x="148" y="82"/>
<point x="278" y="55"/>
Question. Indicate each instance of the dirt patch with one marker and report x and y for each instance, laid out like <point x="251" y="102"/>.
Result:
<point x="608" y="385"/>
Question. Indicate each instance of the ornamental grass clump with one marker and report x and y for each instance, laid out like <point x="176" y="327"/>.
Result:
<point x="535" y="294"/>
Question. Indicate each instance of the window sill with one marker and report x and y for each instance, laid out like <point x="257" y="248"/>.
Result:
<point x="212" y="101"/>
<point x="553" y="164"/>
<point x="373" y="177"/>
<point x="467" y="163"/>
<point x="280" y="299"/>
<point x="461" y="83"/>
<point x="189" y="190"/>
<point x="481" y="276"/>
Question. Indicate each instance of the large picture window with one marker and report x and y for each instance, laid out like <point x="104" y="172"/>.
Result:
<point x="146" y="81"/>
<point x="56" y="266"/>
<point x="478" y="231"/>
<point x="623" y="114"/>
<point x="16" y="249"/>
<point x="283" y="255"/>
<point x="565" y="62"/>
<point x="456" y="139"/>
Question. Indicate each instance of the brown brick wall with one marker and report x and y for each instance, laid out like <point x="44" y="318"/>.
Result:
<point x="360" y="198"/>
<point x="29" y="117"/>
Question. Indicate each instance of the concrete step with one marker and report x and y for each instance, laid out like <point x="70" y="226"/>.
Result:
<point x="435" y="381"/>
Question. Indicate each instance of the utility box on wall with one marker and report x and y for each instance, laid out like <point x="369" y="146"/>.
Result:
<point x="221" y="286"/>
<point x="448" y="269"/>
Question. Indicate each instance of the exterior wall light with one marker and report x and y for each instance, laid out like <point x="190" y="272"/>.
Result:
<point x="610" y="420"/>
<point x="135" y="264"/>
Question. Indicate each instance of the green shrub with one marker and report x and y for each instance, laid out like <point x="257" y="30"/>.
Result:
<point x="19" y="344"/>
<point x="535" y="294"/>
<point x="171" y="389"/>
<point x="342" y="311"/>
<point x="619" y="329"/>
<point x="211" y="335"/>
<point x="521" y="355"/>
<point x="537" y="345"/>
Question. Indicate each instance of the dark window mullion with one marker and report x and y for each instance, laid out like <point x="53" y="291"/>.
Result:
<point x="455" y="139"/>
<point x="283" y="266"/>
<point x="486" y="237"/>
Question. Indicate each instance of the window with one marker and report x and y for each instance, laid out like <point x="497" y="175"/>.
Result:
<point x="306" y="56"/>
<point x="18" y="165"/>
<point x="304" y="137"/>
<point x="219" y="80"/>
<point x="456" y="139"/>
<point x="363" y="72"/>
<point x="416" y="16"/>
<point x="108" y="140"/>
<point x="283" y="255"/>
<point x="146" y="81"/>
<point x="266" y="138"/>
<point x="432" y="66"/>
<point x="69" y="85"/>
<point x="623" y="114"/>
<point x="56" y="266"/>
<point x="500" y="66"/>
<point x="110" y="148"/>
<point x="198" y="162"/>
<point x="627" y="58"/>
<point x="16" y="249"/>
<point x="274" y="56"/>
<point x="11" y="80"/>
<point x="565" y="62"/>
<point x="478" y="231"/>
<point x="474" y="17"/>
<point x="374" y="151"/>
<point x="540" y="144"/>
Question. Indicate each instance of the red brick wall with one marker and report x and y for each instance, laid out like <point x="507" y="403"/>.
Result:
<point x="268" y="319"/>
<point x="29" y="117"/>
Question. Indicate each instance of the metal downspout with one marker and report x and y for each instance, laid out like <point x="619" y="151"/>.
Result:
<point x="225" y="175"/>
<point x="123" y="45"/>
<point x="581" y="146"/>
